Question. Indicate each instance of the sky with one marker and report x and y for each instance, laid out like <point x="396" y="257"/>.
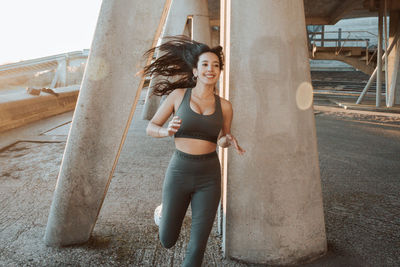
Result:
<point x="38" y="28"/>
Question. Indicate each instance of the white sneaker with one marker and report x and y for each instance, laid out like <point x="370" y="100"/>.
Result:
<point x="157" y="215"/>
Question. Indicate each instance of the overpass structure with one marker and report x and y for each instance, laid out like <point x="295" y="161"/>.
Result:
<point x="374" y="61"/>
<point x="18" y="107"/>
<point x="381" y="62"/>
<point x="57" y="63"/>
<point x="317" y="12"/>
<point x="272" y="210"/>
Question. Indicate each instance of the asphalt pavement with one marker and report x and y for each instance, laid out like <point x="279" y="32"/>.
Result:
<point x="359" y="157"/>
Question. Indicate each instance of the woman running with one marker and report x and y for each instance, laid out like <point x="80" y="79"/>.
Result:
<point x="187" y="72"/>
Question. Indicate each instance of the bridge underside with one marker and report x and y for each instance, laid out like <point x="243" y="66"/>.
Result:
<point x="325" y="12"/>
<point x="349" y="55"/>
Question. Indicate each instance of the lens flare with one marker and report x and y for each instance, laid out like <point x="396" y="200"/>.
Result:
<point x="304" y="96"/>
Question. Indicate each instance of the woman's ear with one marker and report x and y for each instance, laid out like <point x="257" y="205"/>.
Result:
<point x="195" y="72"/>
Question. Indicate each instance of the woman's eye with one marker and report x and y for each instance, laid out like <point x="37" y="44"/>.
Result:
<point x="204" y="64"/>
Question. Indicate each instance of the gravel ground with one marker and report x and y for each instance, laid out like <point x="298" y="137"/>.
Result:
<point x="359" y="162"/>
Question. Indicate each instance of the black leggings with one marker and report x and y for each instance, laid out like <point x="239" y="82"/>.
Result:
<point x="195" y="179"/>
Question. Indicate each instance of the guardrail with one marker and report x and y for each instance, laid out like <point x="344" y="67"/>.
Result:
<point x="44" y="60"/>
<point x="340" y="43"/>
<point x="59" y="63"/>
<point x="351" y="35"/>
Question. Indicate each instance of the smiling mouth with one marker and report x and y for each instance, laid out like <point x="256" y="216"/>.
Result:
<point x="210" y="76"/>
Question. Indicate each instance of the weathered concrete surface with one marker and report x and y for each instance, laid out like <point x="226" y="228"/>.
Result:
<point x="175" y="24"/>
<point x="394" y="58"/>
<point x="20" y="108"/>
<point x="108" y="93"/>
<point x="274" y="209"/>
<point x="359" y="182"/>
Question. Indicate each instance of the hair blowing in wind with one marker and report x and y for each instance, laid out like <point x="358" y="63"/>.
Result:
<point x="179" y="56"/>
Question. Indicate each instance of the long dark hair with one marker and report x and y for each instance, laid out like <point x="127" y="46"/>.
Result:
<point x="179" y="56"/>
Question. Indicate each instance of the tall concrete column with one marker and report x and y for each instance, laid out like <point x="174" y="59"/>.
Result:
<point x="379" y="57"/>
<point x="273" y="198"/>
<point x="394" y="60"/>
<point x="215" y="36"/>
<point x="102" y="117"/>
<point x="60" y="76"/>
<point x="175" y="25"/>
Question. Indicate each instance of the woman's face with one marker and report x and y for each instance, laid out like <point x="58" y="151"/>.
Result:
<point x="208" y="68"/>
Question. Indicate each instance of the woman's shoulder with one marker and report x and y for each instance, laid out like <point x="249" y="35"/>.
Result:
<point x="225" y="104"/>
<point x="177" y="94"/>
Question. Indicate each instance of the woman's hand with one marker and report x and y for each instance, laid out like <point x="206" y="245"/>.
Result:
<point x="232" y="140"/>
<point x="173" y="126"/>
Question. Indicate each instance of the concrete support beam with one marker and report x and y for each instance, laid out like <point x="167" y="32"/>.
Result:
<point x="64" y="72"/>
<point x="393" y="59"/>
<point x="179" y="12"/>
<point x="102" y="117"/>
<point x="60" y="76"/>
<point x="273" y="198"/>
<point x="215" y="37"/>
<point x="379" y="58"/>
<point x="354" y="62"/>
<point x="201" y="28"/>
<point x="374" y="73"/>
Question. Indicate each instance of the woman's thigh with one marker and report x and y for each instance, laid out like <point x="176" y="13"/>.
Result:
<point x="204" y="205"/>
<point x="176" y="195"/>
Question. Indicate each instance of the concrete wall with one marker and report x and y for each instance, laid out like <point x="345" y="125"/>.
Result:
<point x="18" y="109"/>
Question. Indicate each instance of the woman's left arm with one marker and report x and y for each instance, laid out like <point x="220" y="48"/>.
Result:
<point x="226" y="138"/>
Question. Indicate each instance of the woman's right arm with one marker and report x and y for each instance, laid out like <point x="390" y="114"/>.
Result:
<point x="155" y="127"/>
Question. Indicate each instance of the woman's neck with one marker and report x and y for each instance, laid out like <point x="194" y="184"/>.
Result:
<point x="203" y="91"/>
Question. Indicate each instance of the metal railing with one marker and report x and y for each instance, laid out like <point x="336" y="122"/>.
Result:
<point x="341" y="42"/>
<point x="44" y="60"/>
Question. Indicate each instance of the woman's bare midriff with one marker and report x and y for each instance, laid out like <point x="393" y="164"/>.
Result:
<point x="194" y="146"/>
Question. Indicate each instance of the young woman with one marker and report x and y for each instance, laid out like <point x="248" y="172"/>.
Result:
<point x="201" y="121"/>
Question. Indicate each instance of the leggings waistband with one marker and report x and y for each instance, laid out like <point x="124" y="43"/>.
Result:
<point x="196" y="157"/>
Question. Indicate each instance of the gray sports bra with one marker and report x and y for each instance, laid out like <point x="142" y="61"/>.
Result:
<point x="198" y="126"/>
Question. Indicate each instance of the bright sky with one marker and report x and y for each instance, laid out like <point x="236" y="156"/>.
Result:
<point x="37" y="28"/>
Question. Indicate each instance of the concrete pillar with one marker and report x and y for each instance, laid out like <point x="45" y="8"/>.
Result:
<point x="60" y="76"/>
<point x="63" y="72"/>
<point x="175" y="25"/>
<point x="379" y="57"/>
<point x="215" y="36"/>
<point x="393" y="60"/>
<point x="55" y="78"/>
<point x="102" y="117"/>
<point x="273" y="198"/>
